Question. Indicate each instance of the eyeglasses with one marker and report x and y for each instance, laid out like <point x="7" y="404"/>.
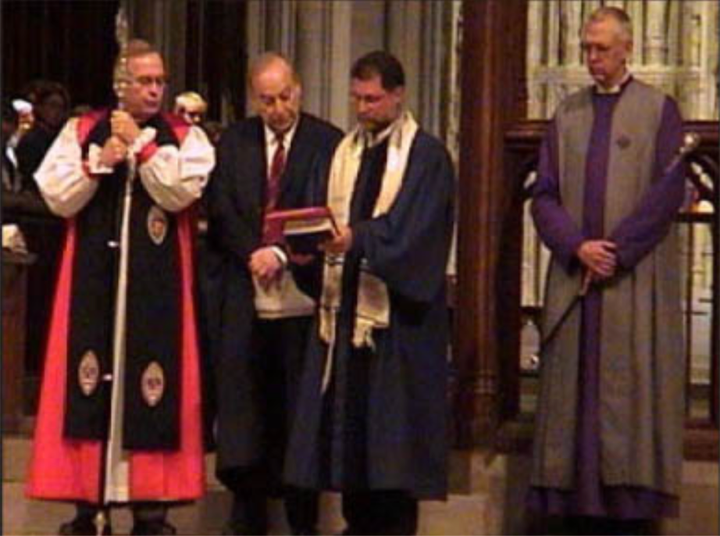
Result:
<point x="146" y="81"/>
<point x="599" y="50"/>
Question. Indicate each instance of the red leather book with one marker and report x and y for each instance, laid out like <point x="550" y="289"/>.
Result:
<point x="303" y="228"/>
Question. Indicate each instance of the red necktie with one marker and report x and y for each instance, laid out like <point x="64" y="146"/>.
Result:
<point x="276" y="170"/>
<point x="273" y="190"/>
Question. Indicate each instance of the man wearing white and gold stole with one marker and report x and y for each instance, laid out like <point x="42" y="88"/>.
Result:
<point x="373" y="396"/>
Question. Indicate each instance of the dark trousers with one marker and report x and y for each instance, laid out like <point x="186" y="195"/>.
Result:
<point x="144" y="512"/>
<point x="380" y="512"/>
<point x="249" y="511"/>
<point x="279" y="347"/>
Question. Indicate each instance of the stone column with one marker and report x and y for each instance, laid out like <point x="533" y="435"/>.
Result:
<point x="324" y="38"/>
<point x="552" y="52"/>
<point x="340" y="62"/>
<point x="572" y="21"/>
<point x="404" y="40"/>
<point x="323" y="58"/>
<point x="656" y="45"/>
<point x="636" y="14"/>
<point x="369" y="27"/>
<point x="710" y="63"/>
<point x="435" y="82"/>
<point x="536" y="31"/>
<point x="317" y="36"/>
<point x="452" y="130"/>
<point x="314" y="50"/>
<point x="674" y="37"/>
<point x="163" y="25"/>
<point x="417" y="33"/>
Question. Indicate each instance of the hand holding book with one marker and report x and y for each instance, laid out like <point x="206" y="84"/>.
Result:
<point x="340" y="243"/>
<point x="304" y="229"/>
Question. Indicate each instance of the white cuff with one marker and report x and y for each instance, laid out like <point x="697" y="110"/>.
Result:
<point x="147" y="135"/>
<point x="280" y="254"/>
<point x="94" y="165"/>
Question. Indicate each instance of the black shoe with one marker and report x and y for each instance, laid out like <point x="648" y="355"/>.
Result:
<point x="152" y="528"/>
<point x="303" y="531"/>
<point x="82" y="526"/>
<point x="231" y="529"/>
<point x="248" y="515"/>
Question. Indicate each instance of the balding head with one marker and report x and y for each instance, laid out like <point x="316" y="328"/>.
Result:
<point x="270" y="61"/>
<point x="275" y="91"/>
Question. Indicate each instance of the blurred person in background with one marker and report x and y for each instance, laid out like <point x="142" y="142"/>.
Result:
<point x="51" y="103"/>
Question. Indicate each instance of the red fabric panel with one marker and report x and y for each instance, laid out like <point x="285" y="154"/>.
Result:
<point x="60" y="468"/>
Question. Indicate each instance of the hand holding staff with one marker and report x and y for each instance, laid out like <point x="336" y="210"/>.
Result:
<point x="124" y="127"/>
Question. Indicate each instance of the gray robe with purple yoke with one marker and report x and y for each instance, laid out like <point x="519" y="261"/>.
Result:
<point x="608" y="437"/>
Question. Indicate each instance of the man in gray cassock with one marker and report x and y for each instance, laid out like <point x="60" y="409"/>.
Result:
<point x="608" y="436"/>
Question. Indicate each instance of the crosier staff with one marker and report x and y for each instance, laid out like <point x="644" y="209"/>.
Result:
<point x="121" y="79"/>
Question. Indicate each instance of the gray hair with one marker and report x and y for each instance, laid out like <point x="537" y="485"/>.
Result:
<point x="618" y="15"/>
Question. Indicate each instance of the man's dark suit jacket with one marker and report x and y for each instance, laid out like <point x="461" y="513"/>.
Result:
<point x="235" y="202"/>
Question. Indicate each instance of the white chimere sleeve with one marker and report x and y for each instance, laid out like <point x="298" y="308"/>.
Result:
<point x="62" y="179"/>
<point x="175" y="178"/>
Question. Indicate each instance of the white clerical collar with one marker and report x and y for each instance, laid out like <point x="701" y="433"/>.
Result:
<point x="617" y="88"/>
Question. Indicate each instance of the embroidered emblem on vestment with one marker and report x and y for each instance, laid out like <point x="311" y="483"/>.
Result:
<point x="157" y="223"/>
<point x="89" y="373"/>
<point x="623" y="142"/>
<point x="153" y="384"/>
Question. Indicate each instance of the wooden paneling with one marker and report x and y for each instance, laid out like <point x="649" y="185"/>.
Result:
<point x="493" y="98"/>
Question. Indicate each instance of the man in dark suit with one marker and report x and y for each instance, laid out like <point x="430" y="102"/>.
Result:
<point x="257" y="317"/>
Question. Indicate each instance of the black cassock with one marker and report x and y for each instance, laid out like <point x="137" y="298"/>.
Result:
<point x="250" y="388"/>
<point x="382" y="422"/>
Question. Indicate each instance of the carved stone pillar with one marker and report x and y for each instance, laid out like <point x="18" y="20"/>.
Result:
<point x="636" y="14"/>
<point x="270" y="26"/>
<point x="369" y="27"/>
<point x="317" y="36"/>
<point x="163" y="24"/>
<point x="404" y="40"/>
<point x="572" y="22"/>
<point x="417" y="33"/>
<point x="536" y="89"/>
<point x="436" y="80"/>
<point x="655" y="39"/>
<point x="324" y="38"/>
<point x="313" y="54"/>
<point x="323" y="58"/>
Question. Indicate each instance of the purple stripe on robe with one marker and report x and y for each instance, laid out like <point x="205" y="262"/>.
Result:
<point x="635" y="236"/>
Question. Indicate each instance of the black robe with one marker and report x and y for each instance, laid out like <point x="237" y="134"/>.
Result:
<point x="382" y="423"/>
<point x="236" y="202"/>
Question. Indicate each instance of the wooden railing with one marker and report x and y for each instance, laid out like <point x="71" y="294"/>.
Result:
<point x="522" y="144"/>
